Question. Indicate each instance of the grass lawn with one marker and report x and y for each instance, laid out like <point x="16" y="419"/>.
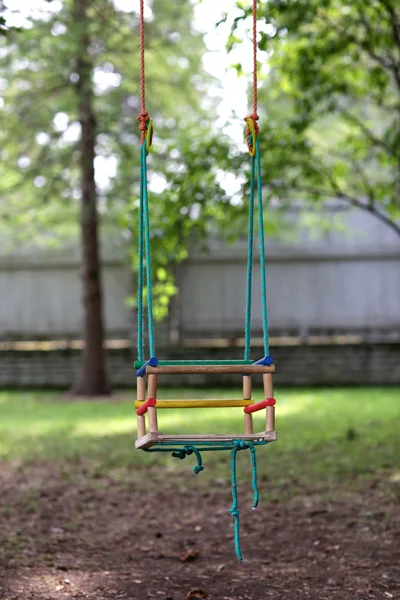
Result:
<point x="327" y="437"/>
<point x="84" y="515"/>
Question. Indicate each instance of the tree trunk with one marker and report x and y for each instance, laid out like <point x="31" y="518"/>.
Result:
<point x="92" y="380"/>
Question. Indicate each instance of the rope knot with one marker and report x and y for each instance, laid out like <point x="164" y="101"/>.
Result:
<point x="143" y="118"/>
<point x="240" y="444"/>
<point x="254" y="117"/>
<point x="234" y="512"/>
<point x="252" y="131"/>
<point x="187" y="451"/>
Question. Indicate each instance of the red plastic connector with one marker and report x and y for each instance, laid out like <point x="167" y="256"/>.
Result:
<point x="259" y="405"/>
<point x="142" y="410"/>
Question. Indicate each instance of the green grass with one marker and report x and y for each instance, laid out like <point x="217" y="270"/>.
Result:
<point x="328" y="436"/>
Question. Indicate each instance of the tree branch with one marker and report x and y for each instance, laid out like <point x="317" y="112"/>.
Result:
<point x="395" y="21"/>
<point x="367" y="132"/>
<point x="387" y="62"/>
<point x="352" y="200"/>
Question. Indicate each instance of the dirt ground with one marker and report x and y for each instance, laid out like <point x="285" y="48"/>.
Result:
<point x="68" y="535"/>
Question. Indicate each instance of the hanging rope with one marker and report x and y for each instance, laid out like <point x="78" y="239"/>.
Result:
<point x="140" y="319"/>
<point x="234" y="510"/>
<point x="146" y="218"/>
<point x="262" y="252"/>
<point x="255" y="60"/>
<point x="247" y="335"/>
<point x="144" y="249"/>
<point x="234" y="446"/>
<point x="254" y="116"/>
<point x="252" y="133"/>
<point x="143" y="117"/>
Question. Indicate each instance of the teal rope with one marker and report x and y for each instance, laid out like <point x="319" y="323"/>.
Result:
<point x="247" y="333"/>
<point x="262" y="252"/>
<point x="234" y="446"/>
<point x="146" y="219"/>
<point x="255" y="175"/>
<point x="187" y="451"/>
<point x="234" y="510"/>
<point x="140" y="320"/>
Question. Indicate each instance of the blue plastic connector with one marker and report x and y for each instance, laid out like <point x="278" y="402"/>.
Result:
<point x="267" y="360"/>
<point x="153" y="362"/>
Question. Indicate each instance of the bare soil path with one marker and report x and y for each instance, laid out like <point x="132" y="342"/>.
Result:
<point x="67" y="534"/>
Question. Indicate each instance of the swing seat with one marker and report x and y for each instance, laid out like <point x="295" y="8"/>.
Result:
<point x="157" y="437"/>
<point x="151" y="370"/>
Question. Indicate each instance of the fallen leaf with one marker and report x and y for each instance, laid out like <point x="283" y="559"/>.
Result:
<point x="138" y="581"/>
<point x="196" y="594"/>
<point x="59" y="588"/>
<point x="220" y="567"/>
<point x="190" y="555"/>
<point x="198" y="528"/>
<point x="332" y="548"/>
<point x="388" y="594"/>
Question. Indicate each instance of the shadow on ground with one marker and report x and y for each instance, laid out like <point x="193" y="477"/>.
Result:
<point x="82" y="515"/>
<point x="67" y="534"/>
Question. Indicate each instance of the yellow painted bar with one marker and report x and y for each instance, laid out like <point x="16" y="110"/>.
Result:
<point x="221" y="403"/>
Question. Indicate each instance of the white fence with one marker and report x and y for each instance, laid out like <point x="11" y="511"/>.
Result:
<point x="40" y="297"/>
<point x="346" y="282"/>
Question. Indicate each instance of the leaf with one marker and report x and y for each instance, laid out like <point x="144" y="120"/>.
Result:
<point x="190" y="555"/>
<point x="196" y="594"/>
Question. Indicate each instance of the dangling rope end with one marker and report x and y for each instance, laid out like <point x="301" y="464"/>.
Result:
<point x="188" y="451"/>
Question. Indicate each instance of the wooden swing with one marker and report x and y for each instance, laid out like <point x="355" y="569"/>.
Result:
<point x="152" y="369"/>
<point x="149" y="371"/>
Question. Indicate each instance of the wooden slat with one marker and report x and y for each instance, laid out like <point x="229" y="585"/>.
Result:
<point x="141" y="395"/>
<point x="248" y="419"/>
<point x="153" y="438"/>
<point x="201" y="403"/>
<point x="217" y="369"/>
<point x="152" y="411"/>
<point x="269" y="393"/>
<point x="163" y="363"/>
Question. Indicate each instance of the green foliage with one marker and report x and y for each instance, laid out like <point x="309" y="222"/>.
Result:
<point x="332" y="102"/>
<point x="40" y="186"/>
<point x="332" y="437"/>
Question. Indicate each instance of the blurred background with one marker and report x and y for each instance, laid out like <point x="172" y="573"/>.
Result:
<point x="79" y="506"/>
<point x="329" y="93"/>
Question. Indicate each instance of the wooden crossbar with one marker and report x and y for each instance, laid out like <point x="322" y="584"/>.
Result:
<point x="221" y="369"/>
<point x="200" y="403"/>
<point x="153" y="438"/>
<point x="193" y="363"/>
